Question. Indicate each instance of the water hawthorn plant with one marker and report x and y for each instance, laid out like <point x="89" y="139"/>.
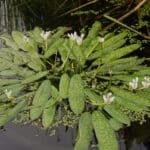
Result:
<point x="76" y="80"/>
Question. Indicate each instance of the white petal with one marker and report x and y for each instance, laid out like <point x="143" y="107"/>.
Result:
<point x="8" y="93"/>
<point x="75" y="37"/>
<point x="109" y="94"/>
<point x="134" y="83"/>
<point x="82" y="35"/>
<point x="108" y="98"/>
<point x="26" y="39"/>
<point x="136" y="79"/>
<point x="101" y="39"/>
<point x="145" y="84"/>
<point x="105" y="98"/>
<point x="45" y="35"/>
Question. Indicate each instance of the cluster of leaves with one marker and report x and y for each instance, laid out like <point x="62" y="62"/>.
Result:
<point x="145" y="10"/>
<point x="143" y="15"/>
<point x="54" y="78"/>
<point x="119" y="2"/>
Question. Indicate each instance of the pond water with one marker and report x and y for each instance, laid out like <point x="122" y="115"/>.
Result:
<point x="31" y="138"/>
<point x="16" y="137"/>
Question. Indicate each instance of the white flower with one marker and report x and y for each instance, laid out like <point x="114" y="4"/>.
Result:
<point x="72" y="36"/>
<point x="134" y="83"/>
<point x="75" y="37"/>
<point x="108" y="98"/>
<point x="26" y="39"/>
<point x="45" y="35"/>
<point x="8" y="93"/>
<point x="101" y="39"/>
<point x="79" y="40"/>
<point x="146" y="82"/>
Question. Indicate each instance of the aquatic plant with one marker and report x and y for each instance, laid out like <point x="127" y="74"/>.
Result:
<point x="53" y="78"/>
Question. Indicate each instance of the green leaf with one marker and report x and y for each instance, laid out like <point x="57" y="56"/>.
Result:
<point x="48" y="113"/>
<point x="121" y="61"/>
<point x="9" y="41"/>
<point x="127" y="77"/>
<point x="93" y="97"/>
<point x="4" y="107"/>
<point x="15" y="89"/>
<point x="11" y="87"/>
<point x="76" y="94"/>
<point x="115" y="124"/>
<point x="36" y="60"/>
<point x="93" y="32"/>
<point x="116" y="113"/>
<point x="55" y="93"/>
<point x="40" y="99"/>
<point x="109" y="35"/>
<point x="143" y="72"/>
<point x="35" y="34"/>
<point x="78" y="52"/>
<point x="4" y="63"/>
<point x="22" y="71"/>
<point x="64" y="85"/>
<point x="145" y="93"/>
<point x="104" y="133"/>
<point x="53" y="48"/>
<point x="91" y="47"/>
<point x="11" y="113"/>
<point x="7" y="73"/>
<point x="120" y="53"/>
<point x="5" y="55"/>
<point x="34" y="77"/>
<point x="18" y="37"/>
<point x="132" y="97"/>
<point x="128" y="104"/>
<point x="100" y="52"/>
<point x="85" y="132"/>
<point x="114" y="39"/>
<point x="64" y="50"/>
<point x="60" y="32"/>
<point x="8" y="81"/>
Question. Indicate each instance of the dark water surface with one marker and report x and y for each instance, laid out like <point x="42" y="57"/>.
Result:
<point x="30" y="138"/>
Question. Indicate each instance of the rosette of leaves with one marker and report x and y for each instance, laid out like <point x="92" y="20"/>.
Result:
<point x="42" y="74"/>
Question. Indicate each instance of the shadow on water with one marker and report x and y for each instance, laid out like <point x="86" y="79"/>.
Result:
<point x="137" y="137"/>
<point x="16" y="137"/>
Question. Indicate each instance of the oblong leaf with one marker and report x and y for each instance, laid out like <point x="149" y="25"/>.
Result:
<point x="104" y="133"/>
<point x="117" y="114"/>
<point x="115" y="124"/>
<point x="64" y="85"/>
<point x="128" y="104"/>
<point x="85" y="132"/>
<point x="11" y="113"/>
<point x="93" y="97"/>
<point x="76" y="94"/>
<point x="133" y="97"/>
<point x="35" y="77"/>
<point x="49" y="113"/>
<point x="40" y="99"/>
<point x="120" y="53"/>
